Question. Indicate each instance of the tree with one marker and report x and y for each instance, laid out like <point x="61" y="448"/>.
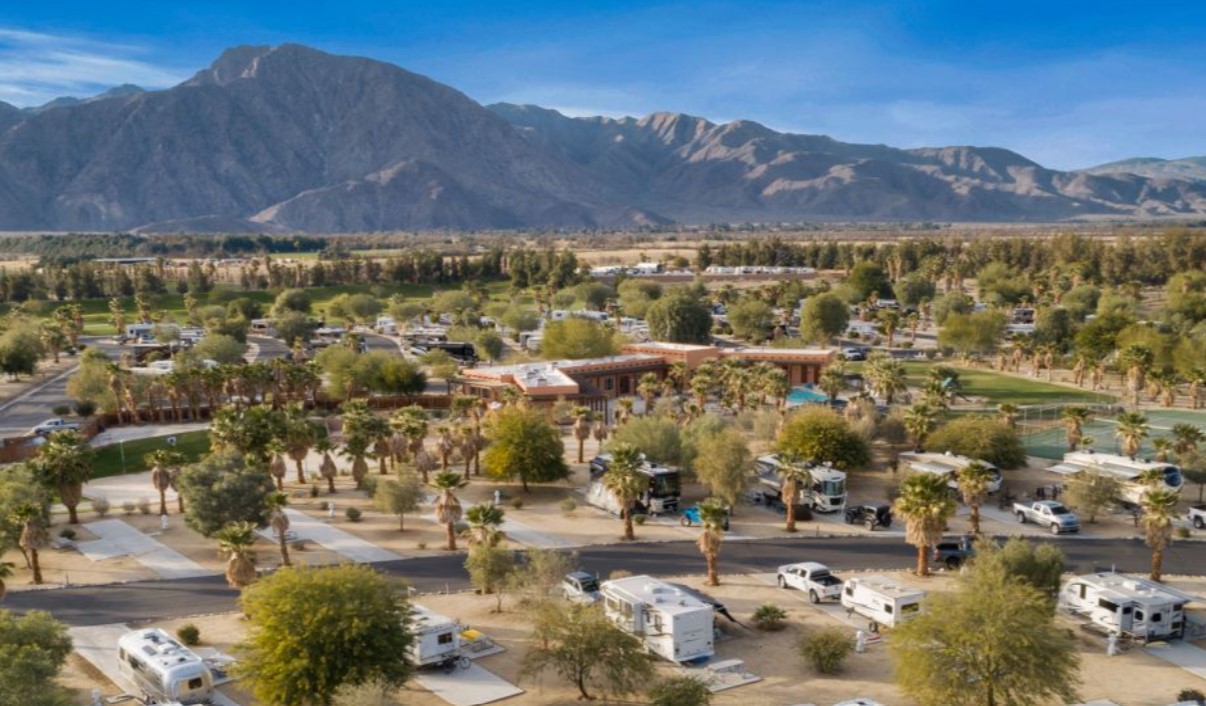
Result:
<point x="164" y="464"/>
<point x="314" y="630"/>
<point x="1090" y="493"/>
<point x="992" y="641"/>
<point x="491" y="569"/>
<point x="588" y="650"/>
<point x="867" y="278"/>
<point x="400" y="496"/>
<point x="279" y="522"/>
<point x="1136" y="359"/>
<point x="975" y="333"/>
<point x="447" y="507"/>
<point x="298" y="436"/>
<point x="820" y="435"/>
<point x="1074" y="418"/>
<point x="823" y="317"/>
<point x="751" y="319"/>
<point x="658" y="438"/>
<point x="292" y="327"/>
<point x="832" y="381"/>
<point x="1132" y="430"/>
<point x="581" y="416"/>
<point x="221" y="489"/>
<point x="220" y="348"/>
<point x="19" y="488"/>
<point x="292" y="300"/>
<point x="574" y="339"/>
<point x="793" y="475"/>
<point x="625" y="481"/>
<point x="980" y="437"/>
<point x="723" y="464"/>
<point x="889" y="321"/>
<point x="485" y="522"/>
<point x="524" y="446"/>
<point x="64" y="464"/>
<point x="20" y="349"/>
<point x="886" y="376"/>
<point x="925" y="503"/>
<point x="680" y="691"/>
<point x="235" y="541"/>
<point x="914" y="289"/>
<point x="543" y="573"/>
<point x="1186" y="438"/>
<point x="248" y="431"/>
<point x="974" y="479"/>
<point x="1159" y="512"/>
<point x="680" y="318"/>
<point x="6" y="571"/>
<point x="33" y="648"/>
<point x="32" y="520"/>
<point x="920" y="420"/>
<point x="713" y="517"/>
<point x="1039" y="565"/>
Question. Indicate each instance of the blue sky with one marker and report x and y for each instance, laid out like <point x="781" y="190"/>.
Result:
<point x="1067" y="83"/>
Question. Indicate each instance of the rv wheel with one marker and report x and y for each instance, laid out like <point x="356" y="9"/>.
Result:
<point x="463" y="662"/>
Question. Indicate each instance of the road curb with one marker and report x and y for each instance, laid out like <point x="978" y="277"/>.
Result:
<point x="36" y="389"/>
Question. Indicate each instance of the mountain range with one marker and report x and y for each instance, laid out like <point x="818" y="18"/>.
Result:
<point x="1188" y="168"/>
<point x="289" y="138"/>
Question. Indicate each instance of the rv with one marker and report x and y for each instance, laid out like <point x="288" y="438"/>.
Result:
<point x="437" y="639"/>
<point x="880" y="600"/>
<point x="163" y="669"/>
<point x="827" y="494"/>
<point x="1123" y="468"/>
<point x="947" y="465"/>
<point x="670" y="623"/>
<point x="386" y="325"/>
<point x="1120" y="604"/>
<point x="665" y="488"/>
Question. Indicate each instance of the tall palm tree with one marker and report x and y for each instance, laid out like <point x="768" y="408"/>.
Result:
<point x="33" y="535"/>
<point x="468" y="441"/>
<point x="235" y="540"/>
<point x="974" y="479"/>
<point x="6" y="571"/>
<point x="444" y="445"/>
<point x="327" y="469"/>
<point x="794" y="475"/>
<point x="447" y="507"/>
<point x="889" y="321"/>
<point x="485" y="522"/>
<point x="411" y="422"/>
<point x="1132" y="430"/>
<point x="712" y="516"/>
<point x="647" y="387"/>
<point x="1075" y="417"/>
<point x="1186" y="438"/>
<point x="1136" y="360"/>
<point x="926" y="504"/>
<point x="299" y="436"/>
<point x="626" y="482"/>
<point x="624" y="411"/>
<point x="277" y="467"/>
<point x="581" y="415"/>
<point x="920" y="420"/>
<point x="279" y="522"/>
<point x="600" y="432"/>
<point x="1159" y="510"/>
<point x="886" y="375"/>
<point x="163" y="463"/>
<point x="832" y="381"/>
<point x="1162" y="445"/>
<point x="679" y="373"/>
<point x="64" y="464"/>
<point x="774" y="383"/>
<point x="424" y="462"/>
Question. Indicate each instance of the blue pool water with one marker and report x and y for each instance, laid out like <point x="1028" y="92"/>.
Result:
<point x="806" y="395"/>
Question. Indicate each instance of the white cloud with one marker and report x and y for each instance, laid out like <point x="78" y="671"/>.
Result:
<point x="39" y="67"/>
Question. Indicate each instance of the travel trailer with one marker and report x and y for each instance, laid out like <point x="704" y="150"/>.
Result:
<point x="881" y="600"/>
<point x="1123" y="468"/>
<point x="1124" y="605"/>
<point x="386" y="325"/>
<point x="827" y="494"/>
<point x="947" y="465"/>
<point x="437" y="639"/>
<point x="665" y="488"/>
<point x="163" y="669"/>
<point x="670" y="623"/>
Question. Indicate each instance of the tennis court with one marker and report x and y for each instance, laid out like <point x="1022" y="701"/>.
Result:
<point x="1048" y="439"/>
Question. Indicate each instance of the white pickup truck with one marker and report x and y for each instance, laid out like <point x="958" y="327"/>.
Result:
<point x="1048" y="513"/>
<point x="811" y="577"/>
<point x="52" y="425"/>
<point x="1197" y="516"/>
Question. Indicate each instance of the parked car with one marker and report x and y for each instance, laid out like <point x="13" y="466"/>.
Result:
<point x="1197" y="516"/>
<point x="854" y="353"/>
<point x="952" y="554"/>
<point x="691" y="517"/>
<point x="811" y="577"/>
<point x="870" y="515"/>
<point x="580" y="587"/>
<point x="1047" y="512"/>
<point x="52" y="425"/>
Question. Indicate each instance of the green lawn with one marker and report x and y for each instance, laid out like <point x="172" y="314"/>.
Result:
<point x="1001" y="389"/>
<point x="193" y="445"/>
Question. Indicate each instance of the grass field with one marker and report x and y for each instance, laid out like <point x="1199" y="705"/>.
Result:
<point x="1002" y="389"/>
<point x="193" y="445"/>
<point x="1051" y="441"/>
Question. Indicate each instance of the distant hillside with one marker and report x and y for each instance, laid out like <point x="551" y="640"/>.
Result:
<point x="1189" y="168"/>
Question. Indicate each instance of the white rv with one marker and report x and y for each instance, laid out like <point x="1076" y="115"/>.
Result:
<point x="947" y="465"/>
<point x="1123" y="468"/>
<point x="881" y="600"/>
<point x="386" y="325"/>
<point x="672" y="624"/>
<point x="163" y="669"/>
<point x="827" y="494"/>
<point x="437" y="639"/>
<point x="1142" y="609"/>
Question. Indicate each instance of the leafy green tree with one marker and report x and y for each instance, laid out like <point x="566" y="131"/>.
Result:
<point x="524" y="446"/>
<point x="19" y="488"/>
<point x="980" y="437"/>
<point x="292" y="300"/>
<point x="751" y="319"/>
<point x="491" y="570"/>
<point x="220" y="348"/>
<point x="914" y="289"/>
<point x="949" y="304"/>
<point x="247" y="431"/>
<point x="824" y="316"/>
<point x="221" y="489"/>
<point x="1039" y="565"/>
<point x="20" y="348"/>
<point x="975" y="333"/>
<point x="573" y="339"/>
<point x="925" y="504"/>
<point x="588" y="650"/>
<point x="659" y="438"/>
<point x="292" y="327"/>
<point x="400" y="496"/>
<point x="992" y="641"/>
<point x="683" y="690"/>
<point x="33" y="648"/>
<point x="680" y="318"/>
<point x="315" y="630"/>
<point x="867" y="278"/>
<point x="1089" y="493"/>
<point x="723" y="464"/>
<point x="489" y="344"/>
<point x="63" y="465"/>
<point x="820" y="435"/>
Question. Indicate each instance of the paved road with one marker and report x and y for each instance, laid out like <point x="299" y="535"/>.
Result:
<point x="161" y="600"/>
<point x="270" y="348"/>
<point x="17" y="418"/>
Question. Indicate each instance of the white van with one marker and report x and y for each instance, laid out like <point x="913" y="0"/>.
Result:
<point x="881" y="600"/>
<point x="163" y="669"/>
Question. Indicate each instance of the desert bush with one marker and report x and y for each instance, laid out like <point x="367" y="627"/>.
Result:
<point x="353" y="514"/>
<point x="568" y="506"/>
<point x="100" y="506"/>
<point x="517" y="503"/>
<point x="639" y="519"/>
<point x="144" y="506"/>
<point x="67" y="533"/>
<point x="680" y="691"/>
<point x="1191" y="696"/>
<point x="825" y="650"/>
<point x="129" y="507"/>
<point x="369" y="486"/>
<point x="1181" y="533"/>
<point x="314" y="491"/>
<point x="770" y="617"/>
<point x="189" y="634"/>
<point x="61" y="410"/>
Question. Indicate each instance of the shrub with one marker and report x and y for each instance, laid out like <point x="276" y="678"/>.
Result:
<point x="314" y="491"/>
<point x="770" y="617"/>
<point x="61" y="410"/>
<point x="100" y="506"/>
<point x="1181" y="533"/>
<point x="129" y="507"/>
<point x="517" y="503"/>
<point x="353" y="514"/>
<point x="144" y="506"/>
<point x="680" y="691"/>
<point x="1191" y="696"/>
<point x="67" y="533"/>
<point x="85" y="409"/>
<point x="369" y="486"/>
<point x="421" y="545"/>
<point x="298" y="545"/>
<point x="189" y="634"/>
<point x="639" y="519"/>
<point x="568" y="506"/>
<point x="826" y="649"/>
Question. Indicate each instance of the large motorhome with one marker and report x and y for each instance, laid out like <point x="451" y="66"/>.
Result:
<point x="662" y="496"/>
<point x="1120" y="604"/>
<point x="947" y="465"/>
<point x="1124" y="468"/>
<point x="163" y="669"/>
<point x="881" y="600"/>
<point x="672" y="624"/>
<point x="437" y="639"/>
<point x="827" y="493"/>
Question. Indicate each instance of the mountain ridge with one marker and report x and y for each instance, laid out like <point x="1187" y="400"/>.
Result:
<point x="1188" y="168"/>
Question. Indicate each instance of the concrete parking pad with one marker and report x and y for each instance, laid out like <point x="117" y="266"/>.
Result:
<point x="343" y="543"/>
<point x="521" y="533"/>
<point x="468" y="687"/>
<point x="1184" y="655"/>
<point x="156" y="556"/>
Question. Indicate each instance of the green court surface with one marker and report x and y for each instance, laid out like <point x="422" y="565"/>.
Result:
<point x="1048" y="441"/>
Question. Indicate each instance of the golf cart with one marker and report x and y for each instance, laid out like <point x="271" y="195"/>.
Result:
<point x="690" y="517"/>
<point x="871" y="516"/>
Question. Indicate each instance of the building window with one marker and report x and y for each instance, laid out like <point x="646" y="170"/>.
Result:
<point x="608" y="384"/>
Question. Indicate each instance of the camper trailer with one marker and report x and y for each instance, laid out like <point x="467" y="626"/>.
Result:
<point x="386" y="325"/>
<point x="665" y="488"/>
<point x="437" y="639"/>
<point x="881" y="600"/>
<point x="1123" y="468"/>
<point x="672" y="624"/>
<point x="163" y="669"/>
<point x="1120" y="604"/>
<point x="947" y="465"/>
<point x="827" y="494"/>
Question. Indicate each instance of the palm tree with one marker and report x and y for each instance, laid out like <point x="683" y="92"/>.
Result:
<point x="887" y="376"/>
<point x="795" y="475"/>
<point x="1136" y="360"/>
<point x="647" y="387"/>
<point x="279" y="521"/>
<point x="1132" y="430"/>
<point x="1009" y="414"/>
<point x="624" y="413"/>
<point x="33" y="535"/>
<point x="889" y="322"/>
<point x="447" y="506"/>
<point x="300" y="435"/>
<point x="774" y="383"/>
<point x="832" y="381"/>
<point x="600" y="431"/>
<point x="1159" y="510"/>
<point x="919" y="421"/>
<point x="411" y="422"/>
<point x="327" y="469"/>
<point x="6" y="571"/>
<point x="926" y="504"/>
<point x="163" y="463"/>
<point x="64" y="463"/>
<point x="1186" y="438"/>
<point x="974" y="479"/>
<point x="712" y="517"/>
<point x="425" y="463"/>
<point x="1161" y="445"/>
<point x="626" y="482"/>
<point x="678" y="373"/>
<point x="277" y="467"/>
<point x="444" y="445"/>
<point x="581" y="416"/>
<point x="485" y="522"/>
<point x="235" y="540"/>
<point x="1075" y="417"/>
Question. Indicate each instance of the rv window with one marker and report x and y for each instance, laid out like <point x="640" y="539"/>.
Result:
<point x="1127" y="610"/>
<point x="888" y="609"/>
<point x="1178" y="607"/>
<point x="910" y="608"/>
<point x="1156" y="617"/>
<point x="1083" y="590"/>
<point x="194" y="683"/>
<point x="1138" y="614"/>
<point x="444" y="638"/>
<point x="1108" y="605"/>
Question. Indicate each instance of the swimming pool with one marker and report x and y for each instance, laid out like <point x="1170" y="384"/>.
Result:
<point x="806" y="395"/>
